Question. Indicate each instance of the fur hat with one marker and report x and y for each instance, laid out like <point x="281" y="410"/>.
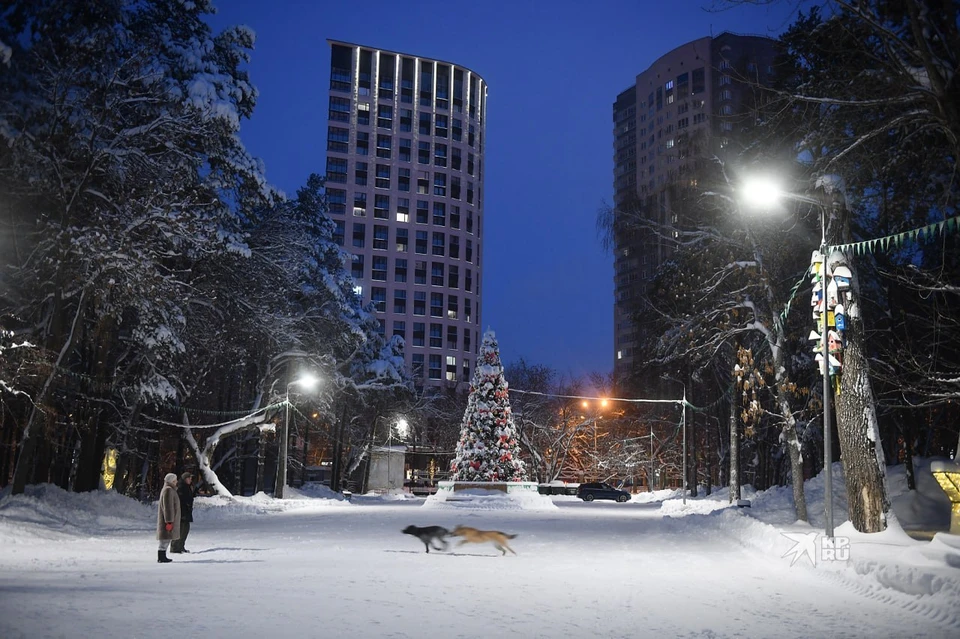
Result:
<point x="170" y="478"/>
<point x="184" y="476"/>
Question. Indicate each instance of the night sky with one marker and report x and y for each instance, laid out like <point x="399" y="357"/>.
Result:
<point x="554" y="68"/>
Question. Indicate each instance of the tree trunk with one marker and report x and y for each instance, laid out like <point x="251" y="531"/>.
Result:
<point x="907" y="431"/>
<point x="860" y="449"/>
<point x="734" y="449"/>
<point x="261" y="458"/>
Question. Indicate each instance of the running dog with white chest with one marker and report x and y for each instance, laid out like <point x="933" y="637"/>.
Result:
<point x="429" y="535"/>
<point x="470" y="535"/>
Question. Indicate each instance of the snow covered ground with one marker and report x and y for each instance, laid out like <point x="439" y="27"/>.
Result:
<point x="310" y="566"/>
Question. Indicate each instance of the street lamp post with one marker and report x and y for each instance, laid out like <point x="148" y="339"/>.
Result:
<point x="307" y="382"/>
<point x="761" y="192"/>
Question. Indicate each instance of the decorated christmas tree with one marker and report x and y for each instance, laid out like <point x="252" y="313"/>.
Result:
<point x="488" y="449"/>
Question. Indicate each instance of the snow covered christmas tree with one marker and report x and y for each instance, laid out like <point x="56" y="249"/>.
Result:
<point x="488" y="449"/>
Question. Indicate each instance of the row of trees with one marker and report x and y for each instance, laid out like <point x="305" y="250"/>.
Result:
<point x="151" y="278"/>
<point x="864" y="118"/>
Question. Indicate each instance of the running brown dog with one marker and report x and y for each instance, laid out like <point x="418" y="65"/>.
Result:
<point x="474" y="536"/>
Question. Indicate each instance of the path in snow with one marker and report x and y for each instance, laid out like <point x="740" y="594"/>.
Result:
<point x="583" y="570"/>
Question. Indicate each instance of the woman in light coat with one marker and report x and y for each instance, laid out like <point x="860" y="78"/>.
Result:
<point x="168" y="517"/>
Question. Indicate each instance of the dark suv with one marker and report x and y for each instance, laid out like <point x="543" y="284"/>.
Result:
<point x="601" y="490"/>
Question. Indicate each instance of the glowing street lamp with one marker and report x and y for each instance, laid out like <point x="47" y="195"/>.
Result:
<point x="764" y="192"/>
<point x="307" y="382"/>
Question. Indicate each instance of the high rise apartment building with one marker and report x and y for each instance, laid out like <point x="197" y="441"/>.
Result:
<point x="405" y="138"/>
<point x="681" y="111"/>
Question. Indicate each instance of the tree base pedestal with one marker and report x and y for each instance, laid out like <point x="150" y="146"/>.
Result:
<point x="448" y="488"/>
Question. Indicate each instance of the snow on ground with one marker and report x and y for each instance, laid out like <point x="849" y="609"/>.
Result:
<point x="317" y="565"/>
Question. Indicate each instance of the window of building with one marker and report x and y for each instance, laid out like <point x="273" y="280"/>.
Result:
<point x="406" y="120"/>
<point x="403" y="209"/>
<point x="725" y="80"/>
<point x="403" y="153"/>
<point x="436" y="335"/>
<point x="383" y="177"/>
<point x="363" y="113"/>
<point x="434" y="370"/>
<point x="419" y="303"/>
<point x="402" y="240"/>
<point x="423" y="153"/>
<point x="336" y="170"/>
<point x="339" y="109"/>
<point x="384" y="146"/>
<point x="381" y="207"/>
<point x="360" y="174"/>
<point x="356" y="267"/>
<point x="470" y="194"/>
<point x="384" y="116"/>
<point x="338" y="231"/>
<point x="471" y="132"/>
<point x="440" y="184"/>
<point x="378" y="296"/>
<point x="439" y="214"/>
<point x="451" y="372"/>
<point x="338" y="140"/>
<point x="416" y="365"/>
<point x="466" y="339"/>
<point x="441" y="126"/>
<point x="423" y="184"/>
<point x="457" y="130"/>
<point x="454" y="187"/>
<point x="400" y="301"/>
<point x="381" y="240"/>
<point x="359" y="204"/>
<point x="420" y="248"/>
<point x="436" y="273"/>
<point x="422" y="211"/>
<point x="454" y="247"/>
<point x="403" y="180"/>
<point x="440" y="155"/>
<point x="436" y="304"/>
<point x="337" y="201"/>
<point x="359" y="233"/>
<point x="420" y="274"/>
<point x="699" y="81"/>
<point x="468" y="280"/>
<point x="465" y="368"/>
<point x="439" y="246"/>
<point x="455" y="217"/>
<point x="400" y="270"/>
<point x="726" y="94"/>
<point x="424" y="128"/>
<point x="470" y="162"/>
<point x="455" y="159"/>
<point x="452" y="311"/>
<point x="400" y="329"/>
<point x="419" y="335"/>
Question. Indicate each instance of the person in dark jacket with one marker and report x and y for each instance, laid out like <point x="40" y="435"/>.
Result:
<point x="168" y="517"/>
<point x="186" y="491"/>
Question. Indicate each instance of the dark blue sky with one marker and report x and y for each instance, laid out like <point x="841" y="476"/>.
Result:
<point x="554" y="68"/>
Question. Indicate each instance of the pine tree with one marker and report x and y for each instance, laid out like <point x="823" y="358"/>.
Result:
<point x="489" y="449"/>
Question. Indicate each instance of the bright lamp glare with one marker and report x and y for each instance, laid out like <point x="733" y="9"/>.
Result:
<point x="402" y="427"/>
<point x="307" y="381"/>
<point x="760" y="192"/>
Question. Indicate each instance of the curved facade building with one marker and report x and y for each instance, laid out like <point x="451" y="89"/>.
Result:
<point x="681" y="112"/>
<point x="405" y="142"/>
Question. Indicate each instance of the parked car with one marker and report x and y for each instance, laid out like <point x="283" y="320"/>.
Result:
<point x="601" y="490"/>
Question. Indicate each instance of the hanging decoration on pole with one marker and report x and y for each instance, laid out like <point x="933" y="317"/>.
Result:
<point x="830" y="278"/>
